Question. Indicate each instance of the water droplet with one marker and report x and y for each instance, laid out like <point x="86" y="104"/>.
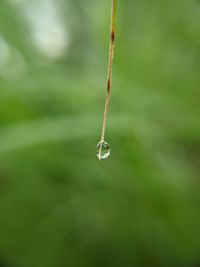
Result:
<point x="103" y="150"/>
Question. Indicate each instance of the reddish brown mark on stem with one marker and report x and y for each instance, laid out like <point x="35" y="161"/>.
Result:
<point x="112" y="36"/>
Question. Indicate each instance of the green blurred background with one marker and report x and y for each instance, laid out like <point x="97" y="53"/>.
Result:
<point x="60" y="206"/>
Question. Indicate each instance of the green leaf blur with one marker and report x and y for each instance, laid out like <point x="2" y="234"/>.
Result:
<point x="60" y="206"/>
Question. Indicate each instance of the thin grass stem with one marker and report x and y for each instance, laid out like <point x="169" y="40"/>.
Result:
<point x="110" y="69"/>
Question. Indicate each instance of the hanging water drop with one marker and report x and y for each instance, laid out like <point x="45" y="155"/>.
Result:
<point x="103" y="150"/>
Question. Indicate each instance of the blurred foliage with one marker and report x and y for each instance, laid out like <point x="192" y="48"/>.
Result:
<point x="59" y="206"/>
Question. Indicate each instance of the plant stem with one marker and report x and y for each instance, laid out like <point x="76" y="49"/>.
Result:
<point x="110" y="66"/>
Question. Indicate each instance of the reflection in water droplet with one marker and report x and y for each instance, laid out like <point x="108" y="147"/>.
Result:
<point x="103" y="150"/>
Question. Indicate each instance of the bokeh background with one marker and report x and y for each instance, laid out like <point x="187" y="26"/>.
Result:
<point x="60" y="206"/>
